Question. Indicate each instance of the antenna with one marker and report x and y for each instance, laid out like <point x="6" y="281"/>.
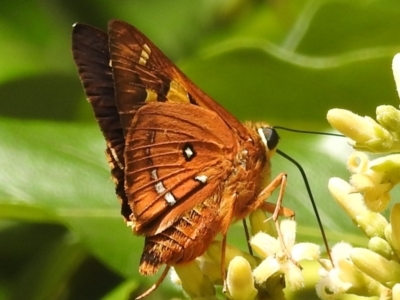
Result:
<point x="308" y="131"/>
<point x="310" y="195"/>
<point x="305" y="179"/>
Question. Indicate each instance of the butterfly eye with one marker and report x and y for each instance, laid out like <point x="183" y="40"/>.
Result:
<point x="269" y="136"/>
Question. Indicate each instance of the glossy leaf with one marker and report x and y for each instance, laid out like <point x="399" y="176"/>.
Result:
<point x="287" y="63"/>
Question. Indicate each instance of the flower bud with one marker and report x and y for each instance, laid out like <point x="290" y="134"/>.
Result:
<point x="373" y="224"/>
<point x="389" y="117"/>
<point x="194" y="282"/>
<point x="365" y="133"/>
<point x="380" y="246"/>
<point x="239" y="281"/>
<point x="387" y="272"/>
<point x="396" y="292"/>
<point x="395" y="226"/>
<point x="396" y="71"/>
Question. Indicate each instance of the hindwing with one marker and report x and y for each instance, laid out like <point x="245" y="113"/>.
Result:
<point x="177" y="155"/>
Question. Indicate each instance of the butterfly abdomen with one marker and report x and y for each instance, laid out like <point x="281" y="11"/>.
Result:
<point x="185" y="240"/>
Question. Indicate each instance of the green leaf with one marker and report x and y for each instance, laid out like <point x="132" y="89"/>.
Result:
<point x="61" y="174"/>
<point x="123" y="291"/>
<point x="286" y="63"/>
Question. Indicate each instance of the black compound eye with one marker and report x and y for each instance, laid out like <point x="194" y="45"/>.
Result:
<point x="271" y="136"/>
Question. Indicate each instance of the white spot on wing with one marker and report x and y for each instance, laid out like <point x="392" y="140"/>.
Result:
<point x="170" y="198"/>
<point x="201" y="178"/>
<point x="189" y="152"/>
<point x="160" y="189"/>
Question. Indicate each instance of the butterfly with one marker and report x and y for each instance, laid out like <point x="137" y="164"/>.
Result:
<point x="184" y="168"/>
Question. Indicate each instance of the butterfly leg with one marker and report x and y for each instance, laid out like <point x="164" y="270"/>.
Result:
<point x="277" y="209"/>
<point x="155" y="285"/>
<point x="223" y="271"/>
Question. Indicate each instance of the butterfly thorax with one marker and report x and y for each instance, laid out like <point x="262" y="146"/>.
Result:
<point x="250" y="175"/>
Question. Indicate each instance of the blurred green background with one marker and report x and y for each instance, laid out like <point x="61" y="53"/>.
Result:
<point x="285" y="62"/>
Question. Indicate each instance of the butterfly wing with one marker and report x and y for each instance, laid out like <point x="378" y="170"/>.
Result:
<point x="124" y="74"/>
<point x="145" y="77"/>
<point x="143" y="74"/>
<point x="92" y="57"/>
<point x="177" y="155"/>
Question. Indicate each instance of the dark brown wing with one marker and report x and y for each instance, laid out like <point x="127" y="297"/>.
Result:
<point x="143" y="74"/>
<point x="177" y="155"/>
<point x="92" y="57"/>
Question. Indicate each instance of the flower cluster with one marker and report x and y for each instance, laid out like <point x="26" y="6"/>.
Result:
<point x="263" y="275"/>
<point x="375" y="270"/>
<point x="381" y="136"/>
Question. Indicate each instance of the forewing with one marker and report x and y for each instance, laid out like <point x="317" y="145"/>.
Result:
<point x="176" y="142"/>
<point x="143" y="74"/>
<point x="177" y="155"/>
<point x="92" y="58"/>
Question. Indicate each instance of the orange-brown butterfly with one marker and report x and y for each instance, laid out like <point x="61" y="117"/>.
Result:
<point x="183" y="166"/>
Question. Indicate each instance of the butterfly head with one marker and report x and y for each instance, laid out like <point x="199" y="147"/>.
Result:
<point x="269" y="137"/>
<point x="261" y="146"/>
<point x="265" y="139"/>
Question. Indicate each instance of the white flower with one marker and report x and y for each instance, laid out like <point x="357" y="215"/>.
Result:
<point x="282" y="255"/>
<point x="345" y="277"/>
